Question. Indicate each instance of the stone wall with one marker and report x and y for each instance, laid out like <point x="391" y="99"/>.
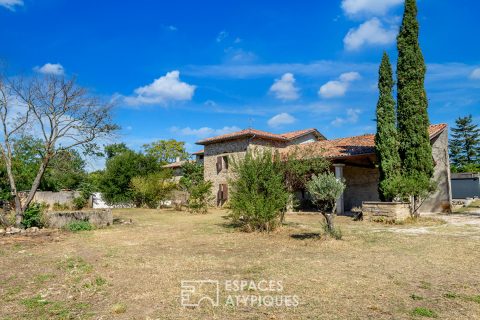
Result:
<point x="60" y="197"/>
<point x="441" y="199"/>
<point x="361" y="185"/>
<point x="235" y="149"/>
<point x="99" y="218"/>
<point x="396" y="211"/>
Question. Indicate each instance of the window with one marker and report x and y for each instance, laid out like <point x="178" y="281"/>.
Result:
<point x="222" y="162"/>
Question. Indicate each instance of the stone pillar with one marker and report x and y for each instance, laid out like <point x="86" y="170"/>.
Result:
<point x="339" y="175"/>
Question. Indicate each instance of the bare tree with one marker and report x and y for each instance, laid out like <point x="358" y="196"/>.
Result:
<point x="62" y="114"/>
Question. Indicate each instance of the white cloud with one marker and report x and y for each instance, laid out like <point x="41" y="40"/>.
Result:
<point x="172" y="28"/>
<point x="475" y="74"/>
<point x="162" y="90"/>
<point x="204" y="132"/>
<point x="349" y="76"/>
<point x="281" y="119"/>
<point x="50" y="68"/>
<point x="222" y="35"/>
<point x="11" y="4"/>
<point x="333" y="89"/>
<point x="368" y="7"/>
<point x="338" y="88"/>
<point x="284" y="88"/>
<point x="351" y="117"/>
<point x="371" y="32"/>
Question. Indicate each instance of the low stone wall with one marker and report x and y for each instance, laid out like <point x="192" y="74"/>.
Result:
<point x="396" y="211"/>
<point x="99" y="218"/>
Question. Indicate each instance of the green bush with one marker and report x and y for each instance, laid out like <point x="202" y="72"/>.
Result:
<point x="33" y="216"/>
<point x="199" y="190"/>
<point x="79" y="203"/>
<point x="258" y="194"/>
<point x="79" y="226"/>
<point x="200" y="195"/>
<point x="152" y="189"/>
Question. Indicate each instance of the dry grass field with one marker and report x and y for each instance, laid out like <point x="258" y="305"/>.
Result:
<point x="376" y="271"/>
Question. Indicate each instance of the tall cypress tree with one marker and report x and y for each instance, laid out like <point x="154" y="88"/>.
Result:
<point x="386" y="144"/>
<point x="415" y="149"/>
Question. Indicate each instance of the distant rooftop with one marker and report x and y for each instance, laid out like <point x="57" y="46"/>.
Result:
<point x="246" y="133"/>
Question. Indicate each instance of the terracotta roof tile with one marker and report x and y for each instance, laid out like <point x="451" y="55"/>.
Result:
<point x="199" y="152"/>
<point x="242" y="134"/>
<point x="260" y="134"/>
<point x="350" y="146"/>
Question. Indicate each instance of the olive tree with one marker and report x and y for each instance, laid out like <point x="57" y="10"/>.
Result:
<point x="325" y="189"/>
<point x="64" y="115"/>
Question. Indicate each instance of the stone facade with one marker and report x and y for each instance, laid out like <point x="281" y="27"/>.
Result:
<point x="361" y="185"/>
<point x="228" y="150"/>
<point x="359" y="171"/>
<point x="441" y="199"/>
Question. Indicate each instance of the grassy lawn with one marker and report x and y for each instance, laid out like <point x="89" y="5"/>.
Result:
<point x="135" y="271"/>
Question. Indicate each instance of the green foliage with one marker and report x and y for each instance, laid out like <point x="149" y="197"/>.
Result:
<point x="471" y="167"/>
<point x="66" y="170"/>
<point x="325" y="189"/>
<point x="200" y="195"/>
<point x="424" y="312"/>
<point x="299" y="167"/>
<point x="152" y="189"/>
<point x="115" y="182"/>
<point x="465" y="145"/>
<point x="413" y="189"/>
<point x="332" y="231"/>
<point x="386" y="144"/>
<point x="258" y="194"/>
<point x="199" y="191"/>
<point x="415" y="149"/>
<point x="166" y="151"/>
<point x="33" y="216"/>
<point x="79" y="203"/>
<point x="115" y="149"/>
<point x="76" y="226"/>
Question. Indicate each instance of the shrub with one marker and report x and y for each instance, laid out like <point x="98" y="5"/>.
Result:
<point x="79" y="226"/>
<point x="200" y="195"/>
<point x="199" y="190"/>
<point x="258" y="194"/>
<point x="79" y="203"/>
<point x="325" y="189"/>
<point x="152" y="189"/>
<point x="33" y="216"/>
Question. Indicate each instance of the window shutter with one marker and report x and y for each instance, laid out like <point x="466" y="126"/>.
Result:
<point x="225" y="192"/>
<point x="219" y="195"/>
<point x="219" y="164"/>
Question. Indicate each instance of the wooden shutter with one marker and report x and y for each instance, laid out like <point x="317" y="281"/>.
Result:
<point x="219" y="195"/>
<point x="225" y="192"/>
<point x="219" y="164"/>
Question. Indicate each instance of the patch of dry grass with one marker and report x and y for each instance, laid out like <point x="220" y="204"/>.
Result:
<point x="135" y="271"/>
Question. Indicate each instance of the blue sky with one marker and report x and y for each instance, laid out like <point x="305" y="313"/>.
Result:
<point x="192" y="69"/>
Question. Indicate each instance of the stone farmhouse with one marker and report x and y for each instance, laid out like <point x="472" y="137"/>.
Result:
<point x="352" y="158"/>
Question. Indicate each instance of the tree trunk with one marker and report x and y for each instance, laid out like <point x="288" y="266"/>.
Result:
<point x="36" y="182"/>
